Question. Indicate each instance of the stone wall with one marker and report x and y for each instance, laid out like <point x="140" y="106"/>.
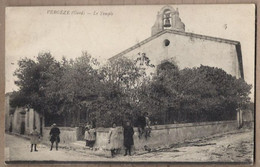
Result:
<point x="67" y="135"/>
<point x="161" y="135"/>
<point x="165" y="135"/>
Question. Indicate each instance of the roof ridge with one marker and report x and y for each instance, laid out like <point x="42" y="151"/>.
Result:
<point x="204" y="36"/>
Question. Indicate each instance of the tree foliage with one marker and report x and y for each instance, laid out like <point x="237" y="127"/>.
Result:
<point x="33" y="77"/>
<point x="80" y="90"/>
<point x="194" y="94"/>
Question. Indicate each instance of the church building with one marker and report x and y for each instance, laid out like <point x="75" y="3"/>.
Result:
<point x="169" y="41"/>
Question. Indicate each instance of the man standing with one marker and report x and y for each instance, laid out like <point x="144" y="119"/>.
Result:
<point x="55" y="135"/>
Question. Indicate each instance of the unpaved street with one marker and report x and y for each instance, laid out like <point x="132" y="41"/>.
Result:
<point x="237" y="147"/>
<point x="231" y="147"/>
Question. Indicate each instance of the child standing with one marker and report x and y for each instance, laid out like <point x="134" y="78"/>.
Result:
<point x="91" y="136"/>
<point x="34" y="139"/>
<point x="113" y="139"/>
<point x="86" y="137"/>
<point x="147" y="125"/>
<point x="128" y="137"/>
<point x="55" y="136"/>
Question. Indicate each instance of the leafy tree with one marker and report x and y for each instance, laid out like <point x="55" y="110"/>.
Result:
<point x="33" y="77"/>
<point x="56" y="89"/>
<point x="78" y="90"/>
<point x="120" y="81"/>
<point x="194" y="94"/>
<point x="73" y="86"/>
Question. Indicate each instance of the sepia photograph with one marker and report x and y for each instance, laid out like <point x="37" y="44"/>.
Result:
<point x="130" y="83"/>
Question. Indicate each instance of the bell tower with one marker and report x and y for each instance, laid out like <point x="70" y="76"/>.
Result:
<point x="167" y="18"/>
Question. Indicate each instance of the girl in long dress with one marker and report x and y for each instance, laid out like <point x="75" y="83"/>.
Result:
<point x="113" y="139"/>
<point x="90" y="136"/>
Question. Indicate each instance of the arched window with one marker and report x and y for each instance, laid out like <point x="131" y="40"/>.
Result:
<point x="167" y="22"/>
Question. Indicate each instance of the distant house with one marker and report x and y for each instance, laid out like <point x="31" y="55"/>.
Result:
<point x="21" y="120"/>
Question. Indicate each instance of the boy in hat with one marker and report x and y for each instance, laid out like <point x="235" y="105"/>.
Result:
<point x="55" y="135"/>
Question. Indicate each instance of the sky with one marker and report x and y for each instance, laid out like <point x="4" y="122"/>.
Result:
<point x="104" y="31"/>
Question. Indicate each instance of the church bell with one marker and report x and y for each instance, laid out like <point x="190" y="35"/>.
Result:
<point x="167" y="21"/>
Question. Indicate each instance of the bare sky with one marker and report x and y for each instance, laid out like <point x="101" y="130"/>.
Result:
<point x="30" y="30"/>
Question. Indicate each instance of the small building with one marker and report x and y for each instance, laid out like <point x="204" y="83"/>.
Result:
<point x="21" y="120"/>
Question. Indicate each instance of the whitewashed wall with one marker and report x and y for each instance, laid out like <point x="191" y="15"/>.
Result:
<point x="190" y="52"/>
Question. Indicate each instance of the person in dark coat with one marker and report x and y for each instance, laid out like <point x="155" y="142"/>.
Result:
<point x="141" y="123"/>
<point x="128" y="137"/>
<point x="55" y="135"/>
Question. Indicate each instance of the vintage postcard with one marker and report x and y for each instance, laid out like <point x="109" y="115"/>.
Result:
<point x="151" y="83"/>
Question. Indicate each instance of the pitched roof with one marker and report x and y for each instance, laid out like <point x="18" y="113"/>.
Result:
<point x="175" y="32"/>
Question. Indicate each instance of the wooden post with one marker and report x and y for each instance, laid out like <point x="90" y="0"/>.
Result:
<point x="239" y="118"/>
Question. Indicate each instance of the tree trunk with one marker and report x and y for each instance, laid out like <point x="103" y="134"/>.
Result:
<point x="78" y="118"/>
<point x="65" y="121"/>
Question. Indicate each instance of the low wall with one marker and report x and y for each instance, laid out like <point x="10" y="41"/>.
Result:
<point x="165" y="135"/>
<point x="67" y="135"/>
<point x="161" y="135"/>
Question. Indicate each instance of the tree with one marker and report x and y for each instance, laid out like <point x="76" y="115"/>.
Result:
<point x="33" y="77"/>
<point x="74" y="85"/>
<point x="57" y="89"/>
<point x="161" y="95"/>
<point x="120" y="80"/>
<point x="194" y="94"/>
<point x="78" y="90"/>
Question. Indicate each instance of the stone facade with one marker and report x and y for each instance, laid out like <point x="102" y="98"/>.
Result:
<point x="21" y="120"/>
<point x="187" y="49"/>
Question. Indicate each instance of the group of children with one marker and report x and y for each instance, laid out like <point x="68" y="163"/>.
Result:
<point x="35" y="137"/>
<point x="143" y="124"/>
<point x="113" y="138"/>
<point x="90" y="135"/>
